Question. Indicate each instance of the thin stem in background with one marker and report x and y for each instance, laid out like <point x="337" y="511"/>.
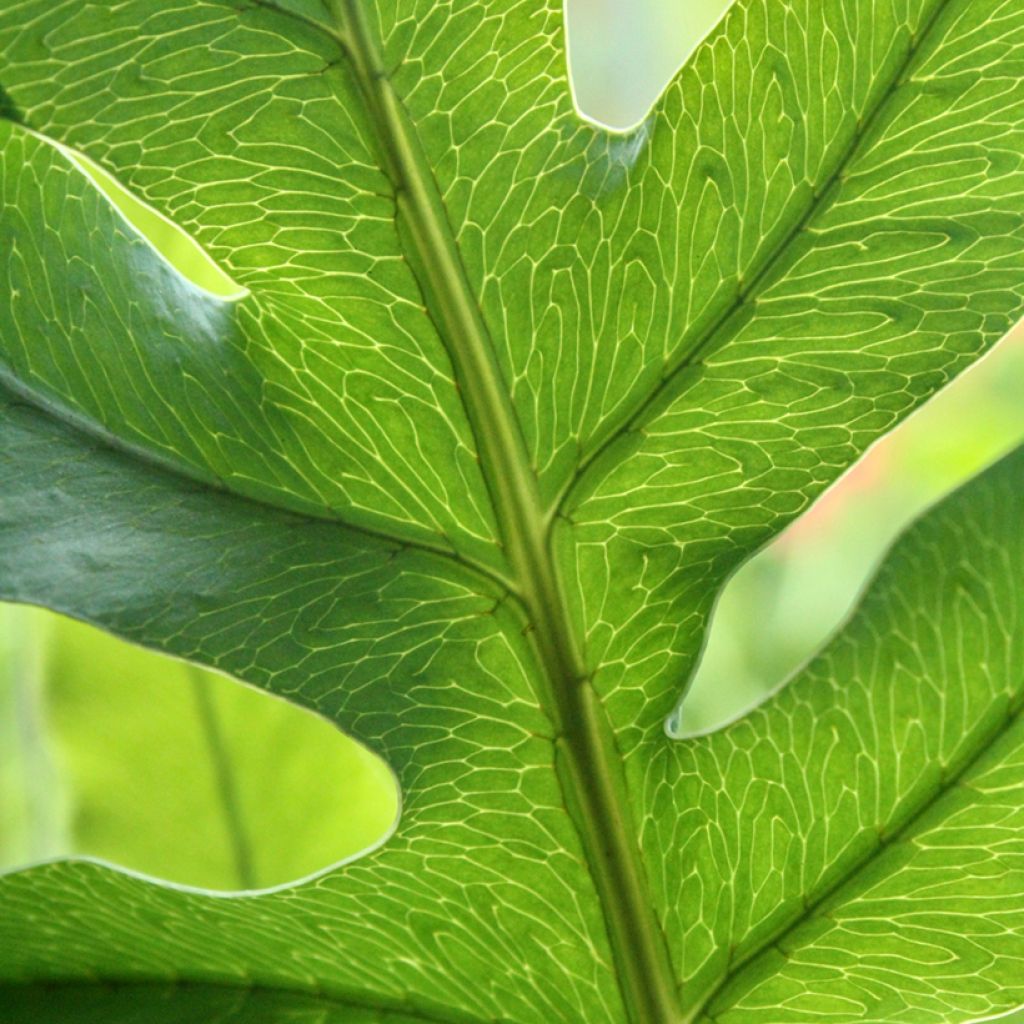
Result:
<point x="225" y="779"/>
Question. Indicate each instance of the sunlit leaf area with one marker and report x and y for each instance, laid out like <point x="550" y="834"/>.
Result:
<point x="115" y="753"/>
<point x="514" y="517"/>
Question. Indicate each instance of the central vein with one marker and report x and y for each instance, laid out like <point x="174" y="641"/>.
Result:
<point x="589" y="768"/>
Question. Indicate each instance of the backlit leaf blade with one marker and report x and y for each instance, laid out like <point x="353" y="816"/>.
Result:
<point x="325" y="387"/>
<point x="899" y="272"/>
<point x="877" y="798"/>
<point x="534" y="387"/>
<point x="186" y="1004"/>
<point x="484" y="868"/>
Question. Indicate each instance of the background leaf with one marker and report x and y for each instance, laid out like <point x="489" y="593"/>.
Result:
<point x="161" y="767"/>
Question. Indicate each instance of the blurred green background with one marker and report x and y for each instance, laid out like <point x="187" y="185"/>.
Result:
<point x="114" y="752"/>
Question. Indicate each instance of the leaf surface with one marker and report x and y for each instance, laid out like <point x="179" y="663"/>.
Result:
<point x="184" y="1004"/>
<point x="505" y="400"/>
<point x="875" y="798"/>
<point x="350" y="628"/>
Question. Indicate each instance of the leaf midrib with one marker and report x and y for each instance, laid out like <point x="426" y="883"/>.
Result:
<point x="223" y="778"/>
<point x="582" y="730"/>
<point x="588" y="765"/>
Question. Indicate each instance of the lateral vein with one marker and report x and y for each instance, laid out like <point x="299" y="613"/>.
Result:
<point x="902" y="828"/>
<point x="761" y="278"/>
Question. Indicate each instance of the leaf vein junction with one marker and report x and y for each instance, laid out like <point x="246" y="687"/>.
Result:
<point x="588" y="765"/>
<point x="675" y="378"/>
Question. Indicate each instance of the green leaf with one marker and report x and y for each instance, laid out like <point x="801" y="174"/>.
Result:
<point x="880" y="789"/>
<point x="504" y="401"/>
<point x="33" y="810"/>
<point x="484" y="859"/>
<point x="185" y="1004"/>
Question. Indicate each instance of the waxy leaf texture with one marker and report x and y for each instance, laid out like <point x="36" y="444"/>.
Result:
<point x="502" y="400"/>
